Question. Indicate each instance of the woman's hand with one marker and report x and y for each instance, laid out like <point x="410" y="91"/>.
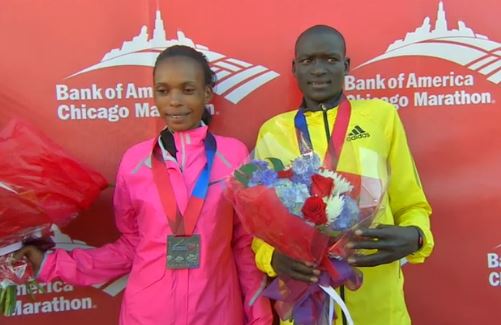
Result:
<point x="33" y="254"/>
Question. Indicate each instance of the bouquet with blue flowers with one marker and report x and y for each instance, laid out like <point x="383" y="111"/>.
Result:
<point x="308" y="213"/>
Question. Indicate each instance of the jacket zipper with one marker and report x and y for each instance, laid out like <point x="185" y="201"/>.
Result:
<point x="183" y="152"/>
<point x="328" y="137"/>
<point x="326" y="123"/>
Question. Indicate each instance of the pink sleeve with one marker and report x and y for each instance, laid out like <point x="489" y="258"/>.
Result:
<point x="92" y="266"/>
<point x="252" y="281"/>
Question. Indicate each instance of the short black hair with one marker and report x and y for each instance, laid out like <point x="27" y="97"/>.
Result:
<point x="189" y="52"/>
<point x="321" y="29"/>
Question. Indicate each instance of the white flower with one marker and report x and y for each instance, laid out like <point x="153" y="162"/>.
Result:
<point x="334" y="208"/>
<point x="341" y="185"/>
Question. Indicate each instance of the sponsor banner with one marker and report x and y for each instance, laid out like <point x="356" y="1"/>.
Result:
<point x="468" y="60"/>
<point x="82" y="73"/>
<point x="494" y="266"/>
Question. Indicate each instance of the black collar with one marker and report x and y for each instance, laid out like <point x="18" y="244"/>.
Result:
<point x="168" y="142"/>
<point x="331" y="103"/>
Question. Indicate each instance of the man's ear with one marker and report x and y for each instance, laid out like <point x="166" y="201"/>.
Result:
<point x="347" y="63"/>
<point x="208" y="94"/>
<point x="293" y="67"/>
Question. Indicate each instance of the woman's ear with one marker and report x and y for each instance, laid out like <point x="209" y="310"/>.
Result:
<point x="208" y="94"/>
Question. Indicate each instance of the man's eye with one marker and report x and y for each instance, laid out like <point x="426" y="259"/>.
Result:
<point x="161" y="91"/>
<point x="189" y="90"/>
<point x="305" y="61"/>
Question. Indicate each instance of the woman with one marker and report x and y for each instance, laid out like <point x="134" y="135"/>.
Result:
<point x="189" y="259"/>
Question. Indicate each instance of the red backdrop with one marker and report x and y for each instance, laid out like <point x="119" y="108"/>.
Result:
<point x="442" y="71"/>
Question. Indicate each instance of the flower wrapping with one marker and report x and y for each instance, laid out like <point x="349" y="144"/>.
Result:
<point x="308" y="213"/>
<point x="12" y="272"/>
<point x="40" y="184"/>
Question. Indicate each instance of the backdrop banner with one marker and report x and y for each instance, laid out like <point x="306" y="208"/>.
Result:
<point x="81" y="72"/>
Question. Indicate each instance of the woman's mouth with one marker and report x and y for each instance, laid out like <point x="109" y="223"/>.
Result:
<point x="177" y="116"/>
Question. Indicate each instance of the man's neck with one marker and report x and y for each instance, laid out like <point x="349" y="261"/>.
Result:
<point x="316" y="106"/>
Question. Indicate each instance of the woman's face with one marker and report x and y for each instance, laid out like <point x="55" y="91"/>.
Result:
<point x="180" y="92"/>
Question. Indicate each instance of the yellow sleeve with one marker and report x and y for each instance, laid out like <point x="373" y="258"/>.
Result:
<point x="407" y="199"/>
<point x="263" y="251"/>
<point x="263" y="254"/>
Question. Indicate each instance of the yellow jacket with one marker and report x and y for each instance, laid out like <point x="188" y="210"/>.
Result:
<point x="375" y="146"/>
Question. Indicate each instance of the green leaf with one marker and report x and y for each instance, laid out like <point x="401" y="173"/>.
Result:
<point x="2" y="296"/>
<point x="277" y="164"/>
<point x="13" y="300"/>
<point x="241" y="177"/>
<point x="7" y="302"/>
<point x="244" y="173"/>
<point x="248" y="169"/>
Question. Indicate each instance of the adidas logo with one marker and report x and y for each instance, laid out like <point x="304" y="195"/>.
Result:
<point x="357" y="133"/>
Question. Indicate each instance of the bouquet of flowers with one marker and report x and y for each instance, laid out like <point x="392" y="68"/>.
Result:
<point x="40" y="185"/>
<point x="13" y="272"/>
<point x="308" y="213"/>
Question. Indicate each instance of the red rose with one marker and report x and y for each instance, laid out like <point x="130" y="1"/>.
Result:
<point x="288" y="173"/>
<point x="321" y="186"/>
<point x="314" y="210"/>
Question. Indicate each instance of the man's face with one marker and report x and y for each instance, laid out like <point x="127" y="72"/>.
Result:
<point x="320" y="66"/>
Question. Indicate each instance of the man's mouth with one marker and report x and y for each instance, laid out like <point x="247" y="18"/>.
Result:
<point x="319" y="84"/>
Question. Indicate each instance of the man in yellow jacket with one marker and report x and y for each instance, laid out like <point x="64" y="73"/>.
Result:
<point x="375" y="145"/>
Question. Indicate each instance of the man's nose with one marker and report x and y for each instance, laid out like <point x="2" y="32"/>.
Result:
<point x="318" y="68"/>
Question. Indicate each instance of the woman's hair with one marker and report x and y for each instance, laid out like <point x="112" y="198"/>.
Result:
<point x="189" y="52"/>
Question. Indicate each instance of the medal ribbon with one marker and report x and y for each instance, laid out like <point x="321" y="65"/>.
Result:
<point x="336" y="140"/>
<point x="182" y="225"/>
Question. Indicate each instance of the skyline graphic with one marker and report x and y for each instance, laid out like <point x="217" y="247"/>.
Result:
<point x="236" y="78"/>
<point x="461" y="45"/>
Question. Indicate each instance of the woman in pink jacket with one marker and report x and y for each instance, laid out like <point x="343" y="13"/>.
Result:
<point x="189" y="258"/>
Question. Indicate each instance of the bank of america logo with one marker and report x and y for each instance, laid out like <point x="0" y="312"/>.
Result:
<point x="235" y="78"/>
<point x="462" y="46"/>
<point x="357" y="133"/>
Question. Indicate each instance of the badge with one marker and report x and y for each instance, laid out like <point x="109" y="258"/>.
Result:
<point x="183" y="252"/>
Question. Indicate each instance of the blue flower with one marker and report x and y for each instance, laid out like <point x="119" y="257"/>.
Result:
<point x="260" y="164"/>
<point x="306" y="164"/>
<point x="304" y="179"/>
<point x="304" y="167"/>
<point x="292" y="195"/>
<point x="265" y="177"/>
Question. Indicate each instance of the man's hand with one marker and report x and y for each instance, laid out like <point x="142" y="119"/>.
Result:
<point x="391" y="242"/>
<point x="286" y="266"/>
<point x="33" y="254"/>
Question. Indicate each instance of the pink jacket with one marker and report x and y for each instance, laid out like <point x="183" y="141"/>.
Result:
<point x="219" y="292"/>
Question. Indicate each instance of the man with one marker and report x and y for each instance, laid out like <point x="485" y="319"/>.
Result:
<point x="379" y="145"/>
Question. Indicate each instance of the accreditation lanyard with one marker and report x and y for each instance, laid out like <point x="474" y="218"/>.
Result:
<point x="337" y="137"/>
<point x="182" y="224"/>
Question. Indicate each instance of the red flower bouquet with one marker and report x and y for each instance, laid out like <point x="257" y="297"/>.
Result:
<point x="40" y="185"/>
<point x="308" y="213"/>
